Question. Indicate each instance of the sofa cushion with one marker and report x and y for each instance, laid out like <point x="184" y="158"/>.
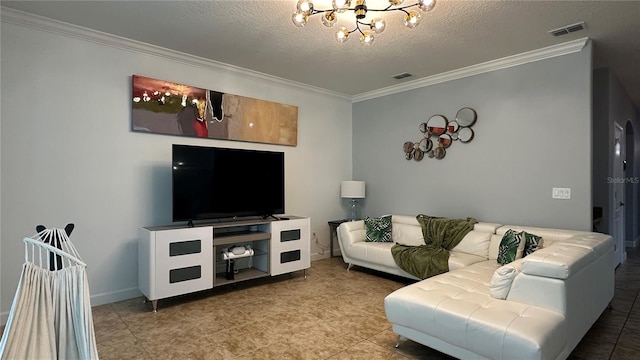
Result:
<point x="378" y="229"/>
<point x="475" y="243"/>
<point x="548" y="235"/>
<point x="493" y="246"/>
<point x="459" y="259"/>
<point x="503" y="277"/>
<point x="531" y="243"/>
<point x="486" y="227"/>
<point x="511" y="247"/>
<point x="568" y="257"/>
<point x="375" y="252"/>
<point x="406" y="231"/>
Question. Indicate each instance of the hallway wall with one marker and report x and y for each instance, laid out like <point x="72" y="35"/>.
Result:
<point x="612" y="105"/>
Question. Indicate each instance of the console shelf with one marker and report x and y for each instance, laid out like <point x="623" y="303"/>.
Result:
<point x="246" y="274"/>
<point x="175" y="260"/>
<point x="240" y="237"/>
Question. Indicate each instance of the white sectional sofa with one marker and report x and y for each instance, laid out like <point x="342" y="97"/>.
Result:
<point x="538" y="307"/>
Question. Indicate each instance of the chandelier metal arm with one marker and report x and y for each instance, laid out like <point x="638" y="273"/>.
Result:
<point x="358" y="23"/>
<point x="388" y="8"/>
<point x="399" y="8"/>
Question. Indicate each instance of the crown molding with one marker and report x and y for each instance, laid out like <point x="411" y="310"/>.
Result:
<point x="493" y="65"/>
<point x="17" y="17"/>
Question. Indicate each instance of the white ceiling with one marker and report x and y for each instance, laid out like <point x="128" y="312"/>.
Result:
<point x="259" y="35"/>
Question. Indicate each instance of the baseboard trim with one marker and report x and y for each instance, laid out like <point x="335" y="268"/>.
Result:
<point x="114" y="296"/>
<point x="4" y="316"/>
<point x="319" y="256"/>
<point x="96" y="300"/>
<point x="325" y="255"/>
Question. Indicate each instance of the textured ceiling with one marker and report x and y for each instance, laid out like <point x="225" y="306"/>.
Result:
<point x="259" y="35"/>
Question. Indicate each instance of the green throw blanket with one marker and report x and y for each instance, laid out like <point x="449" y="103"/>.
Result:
<point x="440" y="236"/>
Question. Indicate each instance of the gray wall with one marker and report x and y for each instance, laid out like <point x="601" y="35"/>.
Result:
<point x="602" y="143"/>
<point x="533" y="133"/>
<point x="68" y="155"/>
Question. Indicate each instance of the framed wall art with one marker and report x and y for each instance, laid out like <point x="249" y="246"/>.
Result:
<point x="164" y="107"/>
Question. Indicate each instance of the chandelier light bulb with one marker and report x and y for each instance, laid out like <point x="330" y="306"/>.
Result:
<point x="299" y="19"/>
<point x="366" y="37"/>
<point x="426" y="5"/>
<point x="329" y="19"/>
<point x="341" y="6"/>
<point x="396" y="2"/>
<point x="305" y="6"/>
<point x="412" y="19"/>
<point x="378" y="25"/>
<point x="342" y="34"/>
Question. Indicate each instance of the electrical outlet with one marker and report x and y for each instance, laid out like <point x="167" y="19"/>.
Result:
<point x="561" y="193"/>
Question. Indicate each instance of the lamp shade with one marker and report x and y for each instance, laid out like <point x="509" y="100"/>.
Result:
<point x="352" y="189"/>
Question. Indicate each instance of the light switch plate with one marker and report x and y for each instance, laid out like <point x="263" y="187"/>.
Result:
<point x="561" y="193"/>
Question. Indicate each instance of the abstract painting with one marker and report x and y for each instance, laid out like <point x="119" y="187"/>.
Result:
<point x="165" y="107"/>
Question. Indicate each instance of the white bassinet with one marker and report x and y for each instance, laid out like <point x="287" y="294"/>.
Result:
<point x="50" y="317"/>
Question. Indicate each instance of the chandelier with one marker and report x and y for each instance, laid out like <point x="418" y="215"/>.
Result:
<point x="412" y="17"/>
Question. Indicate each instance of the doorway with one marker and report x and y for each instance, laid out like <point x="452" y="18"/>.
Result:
<point x="630" y="192"/>
<point x="618" y="228"/>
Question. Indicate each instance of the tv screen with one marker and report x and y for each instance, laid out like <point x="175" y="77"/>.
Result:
<point x="212" y="183"/>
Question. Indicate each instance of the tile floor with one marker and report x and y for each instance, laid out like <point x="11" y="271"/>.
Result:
<point x="333" y="314"/>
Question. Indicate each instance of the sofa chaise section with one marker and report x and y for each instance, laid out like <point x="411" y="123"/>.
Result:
<point x="556" y="296"/>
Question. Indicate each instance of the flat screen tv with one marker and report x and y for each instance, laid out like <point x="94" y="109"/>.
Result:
<point x="214" y="183"/>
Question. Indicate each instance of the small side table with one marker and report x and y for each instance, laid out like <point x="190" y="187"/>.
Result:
<point x="333" y="233"/>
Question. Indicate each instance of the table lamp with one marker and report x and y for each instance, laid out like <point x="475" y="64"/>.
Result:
<point x="352" y="190"/>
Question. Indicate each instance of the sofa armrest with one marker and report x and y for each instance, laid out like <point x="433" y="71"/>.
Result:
<point x="566" y="257"/>
<point x="350" y="233"/>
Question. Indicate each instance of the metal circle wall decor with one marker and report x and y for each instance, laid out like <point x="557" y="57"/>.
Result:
<point x="418" y="154"/>
<point x="425" y="144"/>
<point x="466" y="117"/>
<point x="453" y="127"/>
<point x="437" y="125"/>
<point x="465" y="135"/>
<point x="444" y="134"/>
<point x="445" y="140"/>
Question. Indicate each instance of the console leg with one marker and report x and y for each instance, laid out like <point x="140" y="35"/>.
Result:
<point x="400" y="339"/>
<point x="305" y="273"/>
<point x="609" y="307"/>
<point x="154" y="303"/>
<point x="349" y="267"/>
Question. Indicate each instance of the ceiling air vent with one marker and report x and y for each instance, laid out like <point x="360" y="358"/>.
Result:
<point x="568" y="29"/>
<point x="402" y="75"/>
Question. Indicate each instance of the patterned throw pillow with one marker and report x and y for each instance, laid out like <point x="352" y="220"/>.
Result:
<point x="532" y="243"/>
<point x="508" y="249"/>
<point x="378" y="229"/>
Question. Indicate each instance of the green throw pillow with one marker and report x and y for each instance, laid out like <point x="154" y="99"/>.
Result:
<point x="532" y="243"/>
<point x="378" y="229"/>
<point x="508" y="249"/>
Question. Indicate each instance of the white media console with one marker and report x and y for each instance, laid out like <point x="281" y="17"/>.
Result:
<point x="176" y="260"/>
